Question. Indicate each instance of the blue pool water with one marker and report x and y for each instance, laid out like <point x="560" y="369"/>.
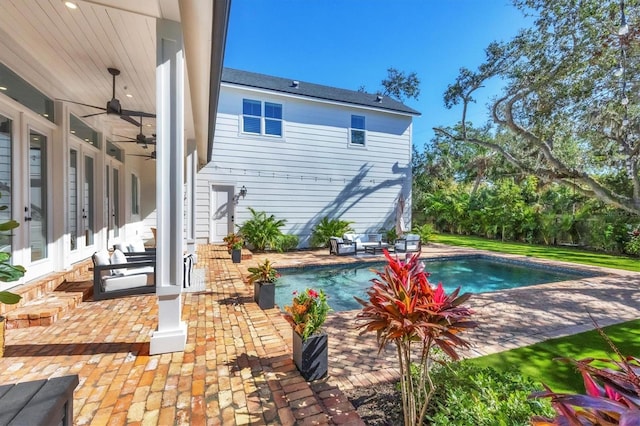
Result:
<point x="476" y="275"/>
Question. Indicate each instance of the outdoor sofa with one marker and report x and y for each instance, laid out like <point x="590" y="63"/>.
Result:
<point x="408" y="243"/>
<point x="363" y="241"/>
<point x="116" y="275"/>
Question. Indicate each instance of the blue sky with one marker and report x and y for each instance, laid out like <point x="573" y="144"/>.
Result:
<point x="350" y="43"/>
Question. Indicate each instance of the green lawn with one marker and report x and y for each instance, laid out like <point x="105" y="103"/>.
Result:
<point x="547" y="252"/>
<point x="537" y="361"/>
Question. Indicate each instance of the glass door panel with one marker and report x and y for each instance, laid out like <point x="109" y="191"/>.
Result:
<point x="6" y="126"/>
<point x="88" y="213"/>
<point x="74" y="206"/>
<point x="116" y="203"/>
<point x="37" y="211"/>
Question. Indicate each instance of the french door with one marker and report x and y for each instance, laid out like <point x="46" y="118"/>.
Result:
<point x="112" y="205"/>
<point x="81" y="203"/>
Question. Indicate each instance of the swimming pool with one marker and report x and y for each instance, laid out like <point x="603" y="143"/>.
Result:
<point x="476" y="274"/>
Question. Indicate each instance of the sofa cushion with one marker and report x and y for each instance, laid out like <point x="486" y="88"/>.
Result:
<point x="118" y="258"/>
<point x="136" y="246"/>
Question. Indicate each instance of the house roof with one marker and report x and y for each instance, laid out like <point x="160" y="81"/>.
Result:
<point x="311" y="90"/>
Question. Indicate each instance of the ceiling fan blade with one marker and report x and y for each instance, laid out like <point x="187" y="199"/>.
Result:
<point x="92" y="115"/>
<point x="124" y="141"/>
<point x="126" y="137"/>
<point x="127" y="112"/>
<point x="141" y="155"/>
<point x="130" y="120"/>
<point x="80" y="103"/>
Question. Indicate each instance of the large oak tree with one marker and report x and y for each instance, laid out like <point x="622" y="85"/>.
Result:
<point x="569" y="111"/>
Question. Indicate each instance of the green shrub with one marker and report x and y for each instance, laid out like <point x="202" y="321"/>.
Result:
<point x="287" y="242"/>
<point x="262" y="231"/>
<point x="328" y="228"/>
<point x="632" y="246"/>
<point x="425" y="231"/>
<point x="472" y="395"/>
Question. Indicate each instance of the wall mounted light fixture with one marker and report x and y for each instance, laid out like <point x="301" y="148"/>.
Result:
<point x="243" y="192"/>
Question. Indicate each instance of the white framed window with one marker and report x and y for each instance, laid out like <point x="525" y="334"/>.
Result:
<point x="261" y="118"/>
<point x="357" y="133"/>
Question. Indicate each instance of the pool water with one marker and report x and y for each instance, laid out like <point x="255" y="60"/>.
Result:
<point x="477" y="275"/>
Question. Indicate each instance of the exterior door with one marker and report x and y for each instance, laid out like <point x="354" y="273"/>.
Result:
<point x="81" y="222"/>
<point x="6" y="183"/>
<point x="222" y="211"/>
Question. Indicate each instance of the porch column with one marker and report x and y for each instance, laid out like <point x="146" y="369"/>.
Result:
<point x="171" y="334"/>
<point x="192" y="168"/>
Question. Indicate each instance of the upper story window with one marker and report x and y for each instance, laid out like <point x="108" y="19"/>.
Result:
<point x="261" y="118"/>
<point x="357" y="130"/>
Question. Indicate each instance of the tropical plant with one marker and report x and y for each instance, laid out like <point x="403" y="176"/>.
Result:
<point x="633" y="245"/>
<point x="328" y="228"/>
<point x="287" y="242"/>
<point x="9" y="272"/>
<point x="233" y="240"/>
<point x="263" y="273"/>
<point x="482" y="396"/>
<point x="308" y="312"/>
<point x="425" y="231"/>
<point x="612" y="393"/>
<point x="404" y="309"/>
<point x="262" y="231"/>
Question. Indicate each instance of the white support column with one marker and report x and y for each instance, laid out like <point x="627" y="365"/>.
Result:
<point x="192" y="167"/>
<point x="171" y="334"/>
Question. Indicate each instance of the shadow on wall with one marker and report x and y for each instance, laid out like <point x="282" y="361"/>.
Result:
<point x="354" y="192"/>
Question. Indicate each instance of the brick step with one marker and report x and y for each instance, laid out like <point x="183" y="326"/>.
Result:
<point x="51" y="306"/>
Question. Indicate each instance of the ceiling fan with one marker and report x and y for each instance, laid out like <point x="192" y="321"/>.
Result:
<point x="113" y="105"/>
<point x="140" y="138"/>
<point x="150" y="156"/>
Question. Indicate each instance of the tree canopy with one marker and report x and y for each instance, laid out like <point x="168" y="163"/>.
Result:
<point x="569" y="111"/>
<point x="399" y="85"/>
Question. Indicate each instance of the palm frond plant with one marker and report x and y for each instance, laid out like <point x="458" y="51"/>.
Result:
<point x="404" y="309"/>
<point x="328" y="228"/>
<point x="262" y="231"/>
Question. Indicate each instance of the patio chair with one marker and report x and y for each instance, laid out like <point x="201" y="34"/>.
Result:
<point x="117" y="276"/>
<point x="340" y="247"/>
<point x="408" y="243"/>
<point x="136" y="250"/>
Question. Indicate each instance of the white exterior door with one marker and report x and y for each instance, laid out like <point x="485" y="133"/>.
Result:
<point x="222" y="212"/>
<point x="81" y="221"/>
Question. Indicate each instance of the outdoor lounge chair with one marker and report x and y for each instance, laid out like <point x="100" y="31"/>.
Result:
<point x="340" y="247"/>
<point x="136" y="250"/>
<point x="408" y="243"/>
<point x="116" y="275"/>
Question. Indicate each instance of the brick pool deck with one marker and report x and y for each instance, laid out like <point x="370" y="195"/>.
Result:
<point x="237" y="366"/>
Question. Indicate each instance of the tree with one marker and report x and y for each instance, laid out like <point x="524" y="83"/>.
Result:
<point x="569" y="111"/>
<point x="399" y="85"/>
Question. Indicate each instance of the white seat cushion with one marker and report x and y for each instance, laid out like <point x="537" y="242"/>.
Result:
<point x="136" y="246"/>
<point x="118" y="258"/>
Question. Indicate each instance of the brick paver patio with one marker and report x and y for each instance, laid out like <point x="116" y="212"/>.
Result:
<point x="237" y="366"/>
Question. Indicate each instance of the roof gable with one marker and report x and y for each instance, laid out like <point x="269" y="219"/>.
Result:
<point x="311" y="90"/>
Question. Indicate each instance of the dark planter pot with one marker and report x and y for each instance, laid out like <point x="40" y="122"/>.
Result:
<point x="311" y="356"/>
<point x="264" y="294"/>
<point x="236" y="255"/>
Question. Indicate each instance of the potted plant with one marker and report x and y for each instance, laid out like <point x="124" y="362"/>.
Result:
<point x="231" y="239"/>
<point x="236" y="251"/>
<point x="264" y="277"/>
<point x="307" y="314"/>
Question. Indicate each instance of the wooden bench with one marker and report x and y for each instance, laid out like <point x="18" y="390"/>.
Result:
<point x="39" y="402"/>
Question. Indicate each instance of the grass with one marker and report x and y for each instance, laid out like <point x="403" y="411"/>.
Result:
<point x="565" y="254"/>
<point x="537" y="361"/>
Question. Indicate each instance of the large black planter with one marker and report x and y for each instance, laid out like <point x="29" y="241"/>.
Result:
<point x="311" y="356"/>
<point x="264" y="294"/>
<point x="236" y="255"/>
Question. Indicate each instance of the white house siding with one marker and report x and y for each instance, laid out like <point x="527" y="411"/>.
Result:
<point x="312" y="171"/>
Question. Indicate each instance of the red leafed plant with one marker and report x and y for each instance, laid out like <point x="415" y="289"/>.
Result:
<point x="405" y="309"/>
<point x="612" y="394"/>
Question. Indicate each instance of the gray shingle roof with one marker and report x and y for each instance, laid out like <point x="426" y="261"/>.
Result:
<point x="285" y="85"/>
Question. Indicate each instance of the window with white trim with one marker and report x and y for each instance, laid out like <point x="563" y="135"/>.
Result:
<point x="357" y="130"/>
<point x="261" y="118"/>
